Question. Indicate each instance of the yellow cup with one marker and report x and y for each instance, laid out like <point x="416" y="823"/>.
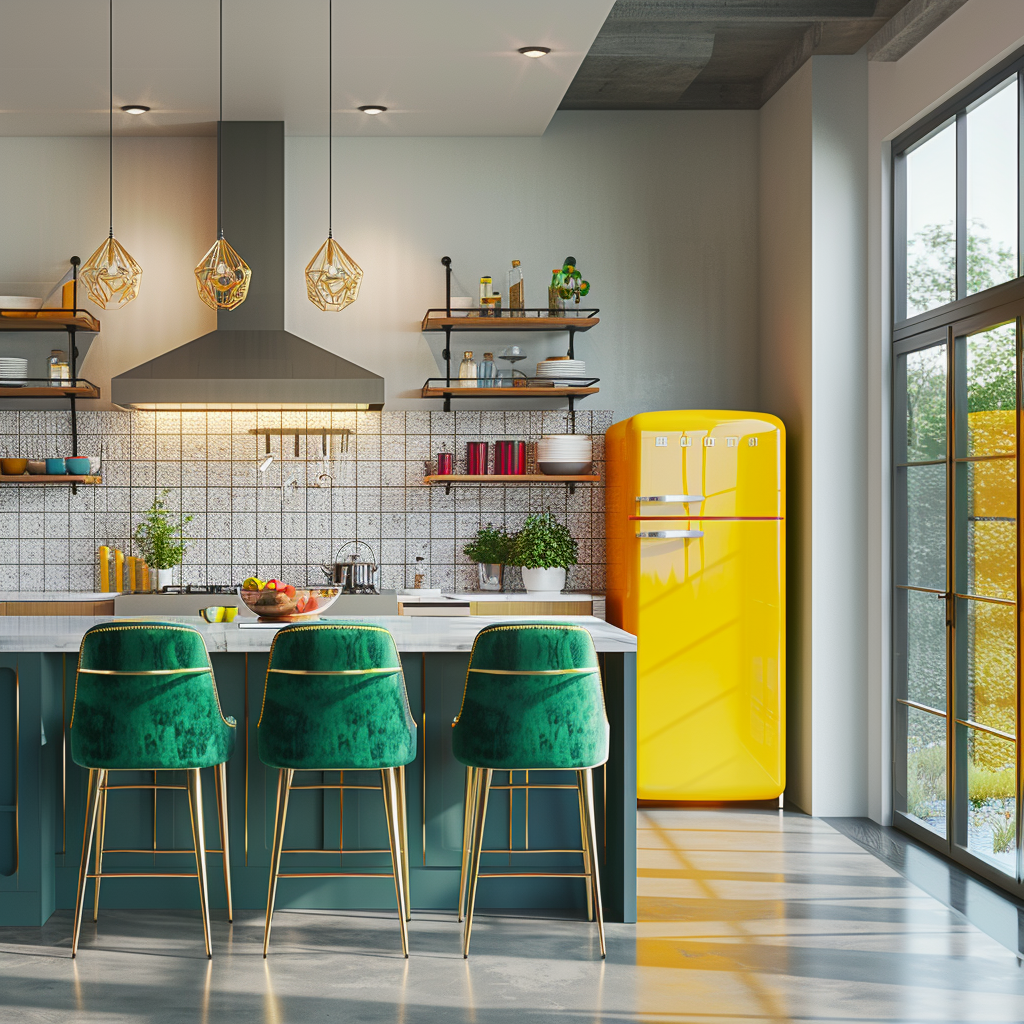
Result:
<point x="219" y="613"/>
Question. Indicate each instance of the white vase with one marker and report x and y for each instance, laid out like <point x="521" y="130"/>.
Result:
<point x="543" y="581"/>
<point x="163" y="578"/>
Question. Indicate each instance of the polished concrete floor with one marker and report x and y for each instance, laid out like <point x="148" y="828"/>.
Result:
<point x="744" y="916"/>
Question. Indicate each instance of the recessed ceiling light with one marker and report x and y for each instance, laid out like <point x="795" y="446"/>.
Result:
<point x="135" y="108"/>
<point x="534" y="51"/>
<point x="373" y="108"/>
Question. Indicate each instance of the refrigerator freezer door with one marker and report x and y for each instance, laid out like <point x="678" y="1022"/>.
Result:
<point x="710" y="704"/>
<point x="714" y="464"/>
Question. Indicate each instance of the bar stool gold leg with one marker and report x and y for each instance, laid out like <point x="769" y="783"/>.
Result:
<point x="389" y="780"/>
<point x="587" y="781"/>
<point x="586" y="848"/>
<point x="467" y="817"/>
<point x="97" y="778"/>
<point x="195" y="807"/>
<point x="284" y="782"/>
<point x="403" y="817"/>
<point x="221" y="783"/>
<point x="101" y="840"/>
<point x="481" y="790"/>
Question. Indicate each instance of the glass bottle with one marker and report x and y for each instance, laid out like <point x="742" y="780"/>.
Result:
<point x="515" y="290"/>
<point x="467" y="371"/>
<point x="486" y="290"/>
<point x="55" y="363"/>
<point x="556" y="304"/>
<point x="487" y="371"/>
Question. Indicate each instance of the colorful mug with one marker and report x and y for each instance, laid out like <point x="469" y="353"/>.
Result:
<point x="219" y="613"/>
<point x="55" y="467"/>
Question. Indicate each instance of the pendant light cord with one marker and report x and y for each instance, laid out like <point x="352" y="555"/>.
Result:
<point x="220" y="124"/>
<point x="330" y="117"/>
<point x="110" y="136"/>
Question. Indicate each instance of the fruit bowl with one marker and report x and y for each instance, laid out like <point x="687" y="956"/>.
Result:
<point x="278" y="606"/>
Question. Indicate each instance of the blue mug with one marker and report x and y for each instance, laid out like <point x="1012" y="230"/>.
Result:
<point x="78" y="466"/>
<point x="55" y="467"/>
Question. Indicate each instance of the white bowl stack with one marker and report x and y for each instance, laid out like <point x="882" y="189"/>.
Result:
<point x="13" y="372"/>
<point x="565" y="454"/>
<point x="556" y="370"/>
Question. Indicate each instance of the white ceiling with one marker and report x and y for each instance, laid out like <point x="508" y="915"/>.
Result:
<point x="442" y="67"/>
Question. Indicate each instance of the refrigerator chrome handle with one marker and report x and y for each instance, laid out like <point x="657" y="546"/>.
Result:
<point x="651" y="498"/>
<point x="661" y="534"/>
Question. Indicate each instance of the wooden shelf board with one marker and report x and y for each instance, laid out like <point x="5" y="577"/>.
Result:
<point x="532" y="392"/>
<point x="509" y="323"/>
<point x="47" y="320"/>
<point x="43" y="478"/>
<point x="48" y="392"/>
<point x="506" y="478"/>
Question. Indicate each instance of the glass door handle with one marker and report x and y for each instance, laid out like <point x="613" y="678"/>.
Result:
<point x="670" y="497"/>
<point x="663" y="534"/>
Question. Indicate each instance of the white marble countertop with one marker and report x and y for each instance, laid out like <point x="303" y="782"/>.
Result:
<point x="56" y="595"/>
<point x="63" y="633"/>
<point x="520" y="595"/>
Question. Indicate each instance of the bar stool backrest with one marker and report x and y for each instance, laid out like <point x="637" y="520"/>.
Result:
<point x="145" y="698"/>
<point x="533" y="699"/>
<point x="335" y="699"/>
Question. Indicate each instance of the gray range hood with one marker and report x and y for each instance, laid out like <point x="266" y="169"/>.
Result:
<point x="251" y="361"/>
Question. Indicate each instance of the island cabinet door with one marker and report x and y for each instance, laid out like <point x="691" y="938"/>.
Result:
<point x="335" y="818"/>
<point x="533" y="821"/>
<point x="30" y="744"/>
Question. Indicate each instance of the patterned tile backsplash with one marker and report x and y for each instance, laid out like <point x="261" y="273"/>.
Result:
<point x="245" y="521"/>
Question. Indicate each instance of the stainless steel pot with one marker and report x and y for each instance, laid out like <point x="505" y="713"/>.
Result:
<point x="351" y="574"/>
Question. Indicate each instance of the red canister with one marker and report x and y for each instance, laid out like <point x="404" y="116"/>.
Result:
<point x="510" y="457"/>
<point x="444" y="463"/>
<point x="476" y="458"/>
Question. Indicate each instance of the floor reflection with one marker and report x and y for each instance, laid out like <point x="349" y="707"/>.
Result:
<point x="745" y="916"/>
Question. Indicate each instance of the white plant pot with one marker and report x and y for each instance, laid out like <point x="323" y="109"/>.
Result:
<point x="163" y="578"/>
<point x="543" y="581"/>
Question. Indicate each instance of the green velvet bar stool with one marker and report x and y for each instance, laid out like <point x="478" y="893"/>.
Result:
<point x="146" y="700"/>
<point x="533" y="700"/>
<point x="335" y="700"/>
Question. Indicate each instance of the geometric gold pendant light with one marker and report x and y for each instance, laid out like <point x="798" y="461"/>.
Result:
<point x="332" y="276"/>
<point x="222" y="276"/>
<point x="110" y="275"/>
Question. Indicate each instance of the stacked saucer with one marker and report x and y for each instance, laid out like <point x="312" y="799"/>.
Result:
<point x="565" y="454"/>
<point x="13" y="372"/>
<point x="561" y="371"/>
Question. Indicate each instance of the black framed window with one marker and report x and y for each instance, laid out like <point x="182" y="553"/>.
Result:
<point x="957" y="218"/>
<point x="958" y="347"/>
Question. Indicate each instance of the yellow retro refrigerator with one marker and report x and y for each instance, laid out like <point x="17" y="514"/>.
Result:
<point x="695" y="517"/>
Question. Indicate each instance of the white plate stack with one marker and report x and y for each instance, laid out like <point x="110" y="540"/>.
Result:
<point x="565" y="454"/>
<point x="557" y="370"/>
<point x="13" y="372"/>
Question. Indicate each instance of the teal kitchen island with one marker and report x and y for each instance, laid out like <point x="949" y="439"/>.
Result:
<point x="42" y="792"/>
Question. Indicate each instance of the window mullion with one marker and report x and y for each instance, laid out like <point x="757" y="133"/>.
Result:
<point x="961" y="204"/>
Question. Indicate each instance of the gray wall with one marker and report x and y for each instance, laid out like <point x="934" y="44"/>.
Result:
<point x="659" y="207"/>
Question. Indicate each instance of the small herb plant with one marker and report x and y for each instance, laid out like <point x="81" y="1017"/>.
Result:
<point x="159" y="537"/>
<point x="543" y="543"/>
<point x="491" y="545"/>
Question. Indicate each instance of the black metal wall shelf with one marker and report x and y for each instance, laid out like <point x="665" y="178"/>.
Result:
<point x="69" y="320"/>
<point x="532" y="320"/>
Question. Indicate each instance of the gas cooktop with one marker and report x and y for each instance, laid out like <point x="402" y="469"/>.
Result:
<point x="195" y="588"/>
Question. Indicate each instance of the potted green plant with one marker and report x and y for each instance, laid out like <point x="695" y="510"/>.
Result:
<point x="489" y="549"/>
<point x="159" y="539"/>
<point x="543" y="549"/>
